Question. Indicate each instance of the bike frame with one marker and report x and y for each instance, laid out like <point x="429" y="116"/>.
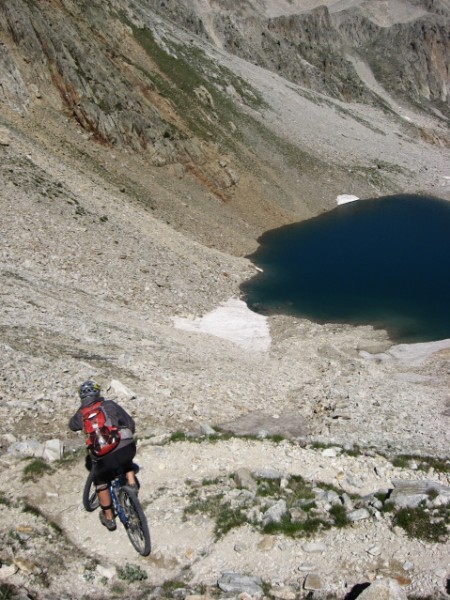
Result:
<point x="114" y="488"/>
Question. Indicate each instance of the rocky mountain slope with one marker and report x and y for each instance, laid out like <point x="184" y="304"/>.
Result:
<point x="145" y="146"/>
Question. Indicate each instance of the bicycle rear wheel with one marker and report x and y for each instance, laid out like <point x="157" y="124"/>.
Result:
<point x="90" y="498"/>
<point x="136" y="522"/>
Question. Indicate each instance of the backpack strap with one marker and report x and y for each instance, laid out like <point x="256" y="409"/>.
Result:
<point x="90" y="408"/>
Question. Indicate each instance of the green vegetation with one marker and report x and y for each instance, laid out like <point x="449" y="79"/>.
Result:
<point x="180" y="436"/>
<point x="339" y="515"/>
<point x="56" y="528"/>
<point x="35" y="470"/>
<point x="14" y="535"/>
<point x="230" y="513"/>
<point x="296" y="528"/>
<point x="231" y="507"/>
<point x="72" y="457"/>
<point x="171" y="586"/>
<point x="35" y="511"/>
<point x="118" y="590"/>
<point x="131" y="573"/>
<point x="428" y="524"/>
<point x="177" y="79"/>
<point x="4" y="500"/>
<point x="7" y="591"/>
<point x="355" y="450"/>
<point x="424" y="463"/>
<point x="219" y="436"/>
<point x="32" y="510"/>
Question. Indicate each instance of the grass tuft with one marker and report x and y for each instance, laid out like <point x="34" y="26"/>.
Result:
<point x="35" y="469"/>
<point x="424" y="463"/>
<point x="4" y="501"/>
<point x="430" y="525"/>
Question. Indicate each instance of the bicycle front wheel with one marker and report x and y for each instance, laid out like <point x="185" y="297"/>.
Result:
<point x="90" y="498"/>
<point x="136" y="522"/>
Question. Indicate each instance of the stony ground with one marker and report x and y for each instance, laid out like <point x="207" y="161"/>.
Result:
<point x="91" y="279"/>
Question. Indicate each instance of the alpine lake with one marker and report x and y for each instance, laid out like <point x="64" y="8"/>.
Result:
<point x="383" y="262"/>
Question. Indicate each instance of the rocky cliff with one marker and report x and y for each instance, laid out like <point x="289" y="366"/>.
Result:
<point x="405" y="45"/>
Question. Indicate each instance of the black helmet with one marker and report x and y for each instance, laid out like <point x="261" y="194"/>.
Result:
<point x="89" y="389"/>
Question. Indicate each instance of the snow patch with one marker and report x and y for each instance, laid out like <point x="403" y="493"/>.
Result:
<point x="409" y="354"/>
<point x="232" y="321"/>
<point x="344" y="198"/>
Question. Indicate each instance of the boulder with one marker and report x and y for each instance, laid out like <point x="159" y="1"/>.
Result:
<point x="53" y="450"/>
<point x="244" y="479"/>
<point x="236" y="583"/>
<point x="275" y="513"/>
<point x="409" y="494"/>
<point x="384" y="589"/>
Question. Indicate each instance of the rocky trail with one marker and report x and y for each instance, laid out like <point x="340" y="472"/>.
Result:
<point x="185" y="548"/>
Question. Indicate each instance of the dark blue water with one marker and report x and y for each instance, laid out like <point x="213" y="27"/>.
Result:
<point x="383" y="262"/>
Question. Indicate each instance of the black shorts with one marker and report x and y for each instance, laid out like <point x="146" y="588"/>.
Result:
<point x="121" y="460"/>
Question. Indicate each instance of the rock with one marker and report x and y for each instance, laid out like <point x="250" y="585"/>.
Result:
<point x="204" y="96"/>
<point x="35" y="90"/>
<point x="108" y="572"/>
<point x="206" y="429"/>
<point x="312" y="582"/>
<point x="347" y="502"/>
<point x="8" y="439"/>
<point x="30" y="448"/>
<point x="120" y="391"/>
<point x="283" y="593"/>
<point x="266" y="543"/>
<point x="384" y="589"/>
<point x="329" y="452"/>
<point x="314" y="547"/>
<point x="235" y="583"/>
<point x="298" y="515"/>
<point x="244" y="479"/>
<point x="53" y="450"/>
<point x="354" y="480"/>
<point x="7" y="571"/>
<point x="275" y="513"/>
<point x="358" y="515"/>
<point x="409" y="494"/>
<point x="267" y="474"/>
<point x="27" y="566"/>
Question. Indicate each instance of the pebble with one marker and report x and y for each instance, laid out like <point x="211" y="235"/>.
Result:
<point x="314" y="547"/>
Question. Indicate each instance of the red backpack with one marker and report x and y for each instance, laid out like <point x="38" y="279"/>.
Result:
<point x="103" y="436"/>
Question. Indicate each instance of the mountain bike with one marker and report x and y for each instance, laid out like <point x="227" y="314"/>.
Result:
<point x="126" y="506"/>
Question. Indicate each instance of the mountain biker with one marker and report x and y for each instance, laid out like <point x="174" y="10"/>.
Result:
<point x="121" y="457"/>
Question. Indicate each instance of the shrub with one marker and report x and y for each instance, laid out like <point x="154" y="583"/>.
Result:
<point x="131" y="573"/>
